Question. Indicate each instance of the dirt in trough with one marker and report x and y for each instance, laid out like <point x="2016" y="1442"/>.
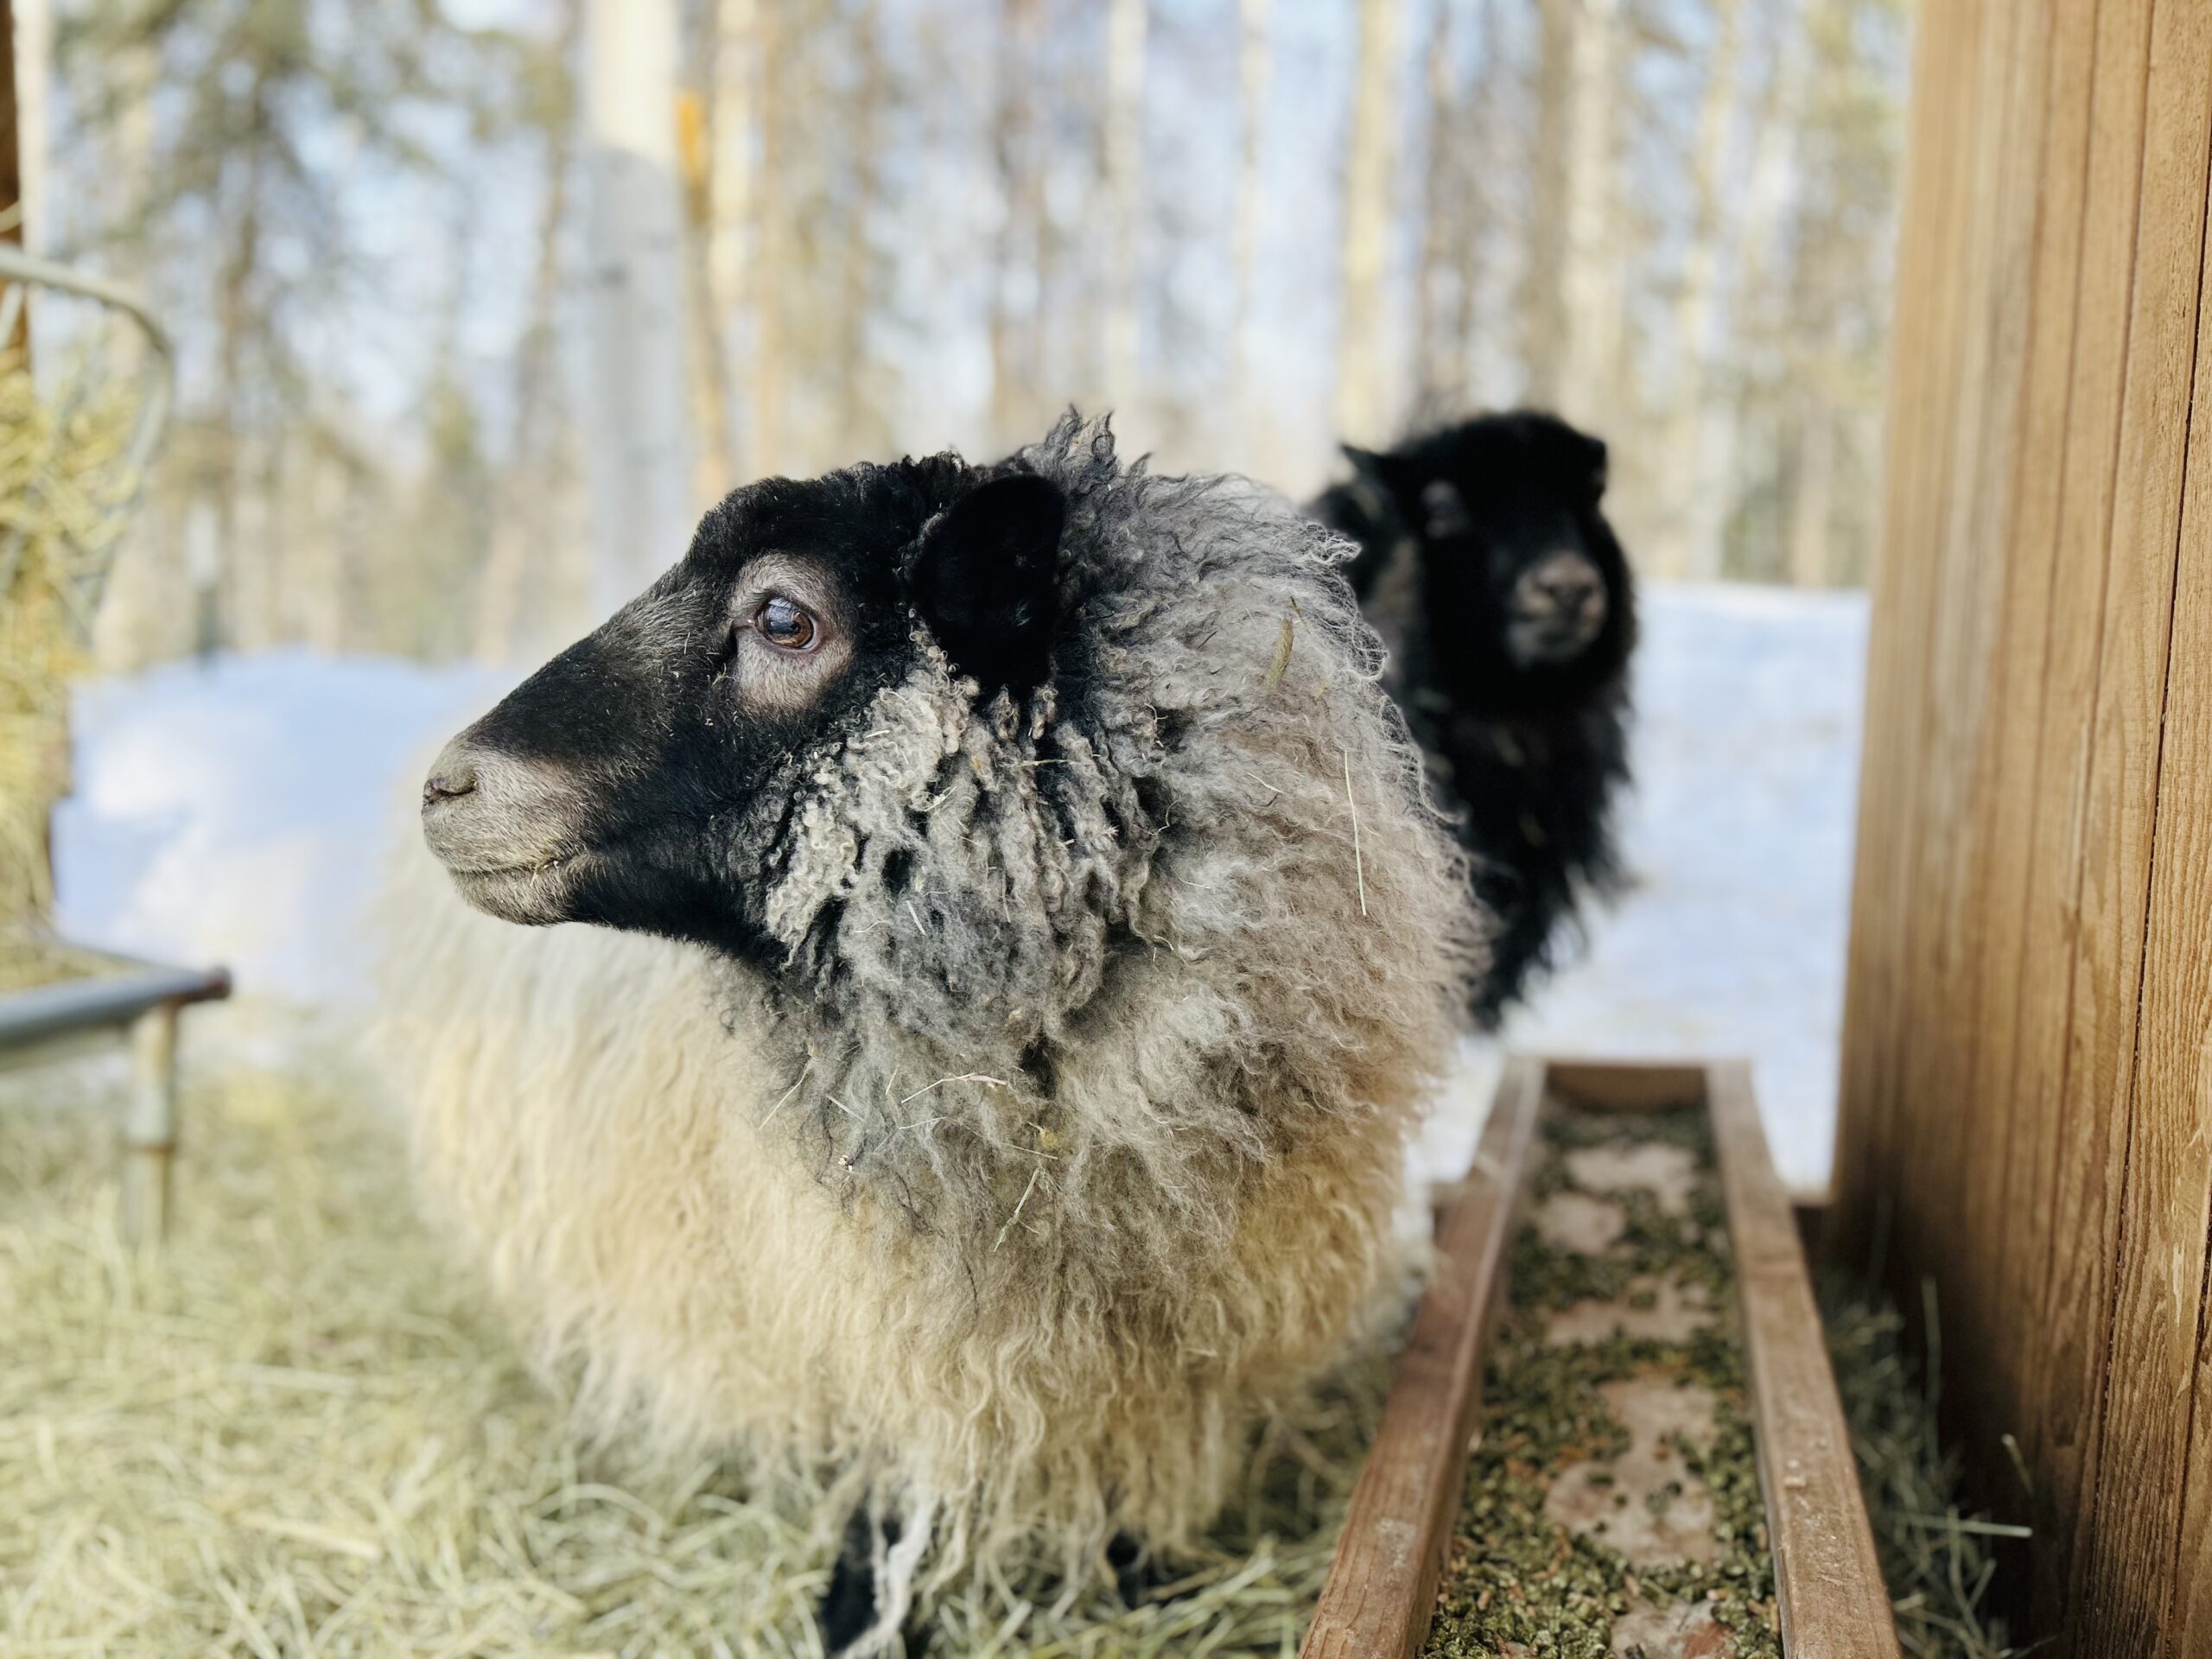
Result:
<point x="1612" y="1509"/>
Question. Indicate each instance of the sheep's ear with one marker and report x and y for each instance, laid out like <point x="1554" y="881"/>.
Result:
<point x="1365" y="462"/>
<point x="1396" y="482"/>
<point x="1377" y="469"/>
<point x="987" y="577"/>
<point x="1594" y="457"/>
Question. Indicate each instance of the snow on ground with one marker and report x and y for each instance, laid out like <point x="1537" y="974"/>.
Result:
<point x="240" y="813"/>
<point x="1730" y="941"/>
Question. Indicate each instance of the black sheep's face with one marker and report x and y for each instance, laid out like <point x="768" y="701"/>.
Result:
<point x="644" y="777"/>
<point x="1521" y="573"/>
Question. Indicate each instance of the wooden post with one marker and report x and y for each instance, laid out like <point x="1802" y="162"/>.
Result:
<point x="1381" y="1592"/>
<point x="2027" y="1084"/>
<point x="1827" y="1578"/>
<point x="11" y="172"/>
<point x="11" y="155"/>
<point x="150" y="1125"/>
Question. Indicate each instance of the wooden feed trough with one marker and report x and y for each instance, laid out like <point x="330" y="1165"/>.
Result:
<point x="1676" y="1152"/>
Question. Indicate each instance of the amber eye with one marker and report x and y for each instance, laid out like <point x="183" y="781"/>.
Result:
<point x="784" y="626"/>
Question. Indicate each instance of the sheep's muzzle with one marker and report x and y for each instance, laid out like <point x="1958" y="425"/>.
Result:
<point x="506" y="830"/>
<point x="1557" y="609"/>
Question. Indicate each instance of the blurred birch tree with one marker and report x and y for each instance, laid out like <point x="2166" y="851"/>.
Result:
<point x="481" y="297"/>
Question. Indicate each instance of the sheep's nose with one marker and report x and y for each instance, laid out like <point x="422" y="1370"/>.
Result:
<point x="455" y="775"/>
<point x="1571" y="584"/>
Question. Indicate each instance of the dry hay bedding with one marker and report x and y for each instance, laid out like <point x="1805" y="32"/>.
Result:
<point x="300" y="1430"/>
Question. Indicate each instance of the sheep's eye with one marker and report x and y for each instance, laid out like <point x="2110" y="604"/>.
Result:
<point x="784" y="626"/>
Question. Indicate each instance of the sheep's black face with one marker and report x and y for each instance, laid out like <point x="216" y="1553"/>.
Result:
<point x="644" y="778"/>
<point x="1524" y="586"/>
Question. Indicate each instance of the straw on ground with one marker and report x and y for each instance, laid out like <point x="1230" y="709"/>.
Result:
<point x="299" y="1431"/>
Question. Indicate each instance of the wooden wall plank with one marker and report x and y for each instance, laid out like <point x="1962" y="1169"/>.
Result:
<point x="2027" y="1078"/>
<point x="1925" y="1098"/>
<point x="2181" y="908"/>
<point x="1876" y="986"/>
<point x="2166" y="1199"/>
<point x="2069" y="27"/>
<point x="1921" y="1229"/>
<point x="1981" y="530"/>
<point x="2119" y="813"/>
<point x="2045" y="1266"/>
<point x="2189" y="1619"/>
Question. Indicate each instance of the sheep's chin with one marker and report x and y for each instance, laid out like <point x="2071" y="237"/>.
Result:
<point x="1547" y="641"/>
<point x="535" y="895"/>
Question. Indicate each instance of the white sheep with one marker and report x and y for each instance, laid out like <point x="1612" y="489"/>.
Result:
<point x="1037" y="947"/>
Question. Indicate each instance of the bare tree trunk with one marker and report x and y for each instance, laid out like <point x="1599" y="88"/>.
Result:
<point x="1124" y="154"/>
<point x="521" y="533"/>
<point x="857" y="409"/>
<point x="34" y="755"/>
<point x="1812" y="496"/>
<point x="11" y="123"/>
<point x="1361" y="395"/>
<point x="1765" y="197"/>
<point x="637" y="447"/>
<point x="1543" y="292"/>
<point x="1482" y="131"/>
<point x="1687" y="476"/>
<point x="733" y="95"/>
<point x="322" y="550"/>
<point x="1016" y="277"/>
<point x="1440" y="352"/>
<point x="220" y="580"/>
<point x="1569" y="332"/>
<point x="708" y="362"/>
<point x="1255" y="67"/>
<point x="248" y="548"/>
<point x="769" y="442"/>
<point x="34" y="81"/>
<point x="1067" y="358"/>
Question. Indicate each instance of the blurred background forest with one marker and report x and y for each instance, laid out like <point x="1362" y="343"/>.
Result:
<point x="478" y="302"/>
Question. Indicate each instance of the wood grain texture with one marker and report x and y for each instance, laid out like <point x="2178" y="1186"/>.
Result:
<point x="1958" y="711"/>
<point x="2119" y="812"/>
<point x="1626" y="1085"/>
<point x="1381" y="1593"/>
<point x="1828" y="1578"/>
<point x="2025" y="1117"/>
<point x="2003" y="1017"/>
<point x="1875" y="982"/>
<point x="2052" y="1273"/>
<point x="2189" y="1619"/>
<point x="2178" y="1024"/>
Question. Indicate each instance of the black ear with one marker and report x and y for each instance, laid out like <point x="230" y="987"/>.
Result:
<point x="987" y="579"/>
<point x="1399" y="482"/>
<point x="1594" y="454"/>
<point x="1365" y="462"/>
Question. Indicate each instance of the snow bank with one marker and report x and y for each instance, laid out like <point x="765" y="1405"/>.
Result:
<point x="1738" y="841"/>
<point x="238" y="813"/>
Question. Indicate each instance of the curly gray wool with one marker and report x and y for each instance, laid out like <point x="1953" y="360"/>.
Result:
<point x="1066" y="1149"/>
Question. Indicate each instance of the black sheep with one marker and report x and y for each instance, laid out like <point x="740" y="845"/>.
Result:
<point x="1490" y="570"/>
